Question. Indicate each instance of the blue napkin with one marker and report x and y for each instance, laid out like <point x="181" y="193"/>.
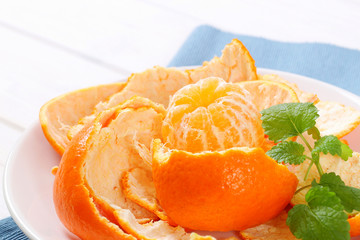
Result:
<point x="329" y="63"/>
<point x="9" y="230"/>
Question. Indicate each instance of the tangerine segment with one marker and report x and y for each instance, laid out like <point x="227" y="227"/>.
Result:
<point x="212" y="115"/>
<point x="265" y="94"/>
<point x="303" y="96"/>
<point x="220" y="191"/>
<point x="234" y="65"/>
<point x="59" y="114"/>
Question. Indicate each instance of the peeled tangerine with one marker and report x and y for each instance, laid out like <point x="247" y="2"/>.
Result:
<point x="212" y="173"/>
<point x="212" y="115"/>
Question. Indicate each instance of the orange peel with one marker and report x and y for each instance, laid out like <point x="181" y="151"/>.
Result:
<point x="329" y="122"/>
<point x="302" y="95"/>
<point x="220" y="191"/>
<point x="59" y="114"/>
<point x="265" y="94"/>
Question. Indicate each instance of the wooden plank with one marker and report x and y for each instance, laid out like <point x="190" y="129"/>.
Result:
<point x="32" y="73"/>
<point x="131" y="34"/>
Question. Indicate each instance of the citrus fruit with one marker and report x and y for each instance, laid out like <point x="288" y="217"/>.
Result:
<point x="302" y="95"/>
<point x="159" y="83"/>
<point x="265" y="94"/>
<point x="88" y="196"/>
<point x="59" y="114"/>
<point x="212" y="115"/>
<point x="234" y="65"/>
<point x="220" y="191"/>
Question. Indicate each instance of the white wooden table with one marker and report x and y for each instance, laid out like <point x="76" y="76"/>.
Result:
<point x="51" y="47"/>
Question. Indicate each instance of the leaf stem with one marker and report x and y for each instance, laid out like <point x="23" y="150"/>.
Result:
<point x="309" y="168"/>
<point x="302" y="188"/>
<point x="306" y="142"/>
<point x="319" y="168"/>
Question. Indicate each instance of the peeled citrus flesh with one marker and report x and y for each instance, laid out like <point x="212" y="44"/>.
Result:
<point x="212" y="115"/>
<point x="59" y="114"/>
<point x="220" y="191"/>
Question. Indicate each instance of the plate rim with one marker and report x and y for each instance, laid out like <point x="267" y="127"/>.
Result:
<point x="14" y="212"/>
<point x="10" y="160"/>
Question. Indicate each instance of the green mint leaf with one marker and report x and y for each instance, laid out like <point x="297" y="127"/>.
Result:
<point x="331" y="144"/>
<point x="288" y="120"/>
<point x="322" y="218"/>
<point x="349" y="196"/>
<point x="346" y="152"/>
<point x="314" y="132"/>
<point x="287" y="152"/>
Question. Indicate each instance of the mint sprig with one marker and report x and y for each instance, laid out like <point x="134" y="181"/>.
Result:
<point x="283" y="121"/>
<point x="288" y="152"/>
<point x="314" y="132"/>
<point x="323" y="217"/>
<point x="331" y="144"/>
<point x="349" y="196"/>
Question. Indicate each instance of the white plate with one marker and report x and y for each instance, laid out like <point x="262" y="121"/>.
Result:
<point x="28" y="181"/>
